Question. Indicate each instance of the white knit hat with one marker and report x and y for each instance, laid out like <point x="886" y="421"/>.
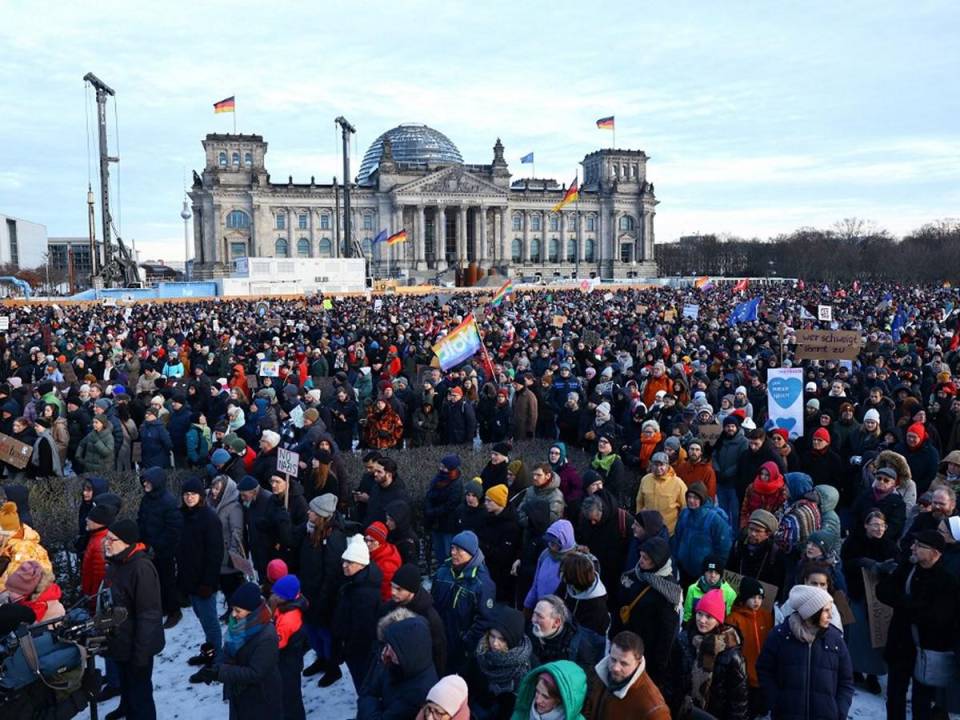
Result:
<point x="270" y="437"/>
<point x="356" y="550"/>
<point x="808" y="600"/>
<point x="871" y="414"/>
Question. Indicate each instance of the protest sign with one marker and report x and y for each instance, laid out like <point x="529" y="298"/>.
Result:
<point x="828" y="344"/>
<point x="710" y="433"/>
<point x="691" y="311"/>
<point x="269" y="368"/>
<point x="288" y="462"/>
<point x="878" y="614"/>
<point x="559" y="320"/>
<point x="327" y="304"/>
<point x="785" y="399"/>
<point x="825" y="313"/>
<point x="13" y="452"/>
<point x="769" y="591"/>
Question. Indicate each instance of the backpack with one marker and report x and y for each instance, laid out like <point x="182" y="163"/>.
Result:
<point x="45" y="658"/>
<point x="796" y="525"/>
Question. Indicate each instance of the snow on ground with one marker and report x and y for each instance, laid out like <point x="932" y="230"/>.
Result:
<point x="176" y="697"/>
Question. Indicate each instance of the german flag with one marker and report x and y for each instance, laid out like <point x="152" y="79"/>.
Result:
<point x="605" y="123"/>
<point x="225" y="105"/>
<point x="573" y="192"/>
<point x="397" y="238"/>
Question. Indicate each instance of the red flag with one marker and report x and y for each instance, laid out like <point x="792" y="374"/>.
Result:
<point x="800" y="285"/>
<point x="741" y="286"/>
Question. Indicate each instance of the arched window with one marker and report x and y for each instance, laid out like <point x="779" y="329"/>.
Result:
<point x="571" y="251"/>
<point x="325" y="247"/>
<point x="223" y="159"/>
<point x="303" y="247"/>
<point x="281" y="221"/>
<point x="626" y="223"/>
<point x="535" y="222"/>
<point x="516" y="250"/>
<point x="517" y="222"/>
<point x="282" y="248"/>
<point x="588" y="250"/>
<point x="248" y="160"/>
<point x="236" y="159"/>
<point x="554" y="250"/>
<point x="238" y="220"/>
<point x="535" y="250"/>
<point x="554" y="223"/>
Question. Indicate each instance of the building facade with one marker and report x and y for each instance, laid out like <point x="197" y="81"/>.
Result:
<point x="455" y="214"/>
<point x="23" y="244"/>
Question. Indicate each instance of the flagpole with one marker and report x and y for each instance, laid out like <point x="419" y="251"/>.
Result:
<point x="576" y="255"/>
<point x="234" y="114"/>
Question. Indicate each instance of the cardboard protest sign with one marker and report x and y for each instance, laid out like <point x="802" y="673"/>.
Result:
<point x="710" y="433"/>
<point x="769" y="591"/>
<point x="878" y="614"/>
<point x="559" y="320"/>
<point x="828" y="344"/>
<point x="288" y="462"/>
<point x="13" y="452"/>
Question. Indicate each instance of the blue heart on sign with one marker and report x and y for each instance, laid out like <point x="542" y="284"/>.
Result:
<point x="785" y="391"/>
<point x="786" y="423"/>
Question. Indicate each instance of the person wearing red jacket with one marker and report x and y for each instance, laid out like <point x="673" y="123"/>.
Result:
<point x="93" y="568"/>
<point x="33" y="587"/>
<point x="384" y="554"/>
<point x="768" y="491"/>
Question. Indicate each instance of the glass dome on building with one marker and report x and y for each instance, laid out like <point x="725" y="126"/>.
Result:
<point x="412" y="144"/>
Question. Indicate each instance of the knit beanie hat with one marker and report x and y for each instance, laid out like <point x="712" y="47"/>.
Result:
<point x="467" y="541"/>
<point x="822" y="434"/>
<point x="247" y="597"/>
<point x="510" y="622"/>
<point x="807" y="600"/>
<point x="713" y="604"/>
<point x="324" y="505"/>
<point x="270" y="438"/>
<point x="657" y="549"/>
<point x="450" y="462"/>
<point x="220" y="457"/>
<point x="698" y="489"/>
<point x="126" y="530"/>
<point x="672" y="442"/>
<point x="660" y="457"/>
<point x="377" y="531"/>
<point x="407" y="577"/>
<point x="871" y="414"/>
<point x="287" y="587"/>
<point x="450" y="693"/>
<point x="102" y="515"/>
<point x="502" y="448"/>
<point x="23" y="581"/>
<point x="650" y="424"/>
<point x="311" y="414"/>
<point x="356" y="551"/>
<point x="9" y="518"/>
<point x="474" y="487"/>
<point x="749" y="587"/>
<point x="276" y="569"/>
<point x="192" y="485"/>
<point x="765" y="519"/>
<point x="499" y="494"/>
<point x="247" y="483"/>
<point x="235" y="443"/>
<point x="712" y="562"/>
<point x="824" y="540"/>
<point x="514" y="466"/>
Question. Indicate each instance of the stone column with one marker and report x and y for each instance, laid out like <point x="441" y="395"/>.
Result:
<point x="420" y="247"/>
<point x="506" y="243"/>
<point x="221" y="249"/>
<point x="579" y="230"/>
<point x="526" y="237"/>
<point x="397" y="251"/>
<point x="440" y="237"/>
<point x="462" y="258"/>
<point x="314" y="251"/>
<point x="482" y="255"/>
<point x="563" y="238"/>
<point x="290" y="245"/>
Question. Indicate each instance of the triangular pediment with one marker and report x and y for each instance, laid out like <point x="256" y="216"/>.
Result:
<point x="450" y="182"/>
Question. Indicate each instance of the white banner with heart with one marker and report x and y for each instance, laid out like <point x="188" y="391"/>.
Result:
<point x="785" y="400"/>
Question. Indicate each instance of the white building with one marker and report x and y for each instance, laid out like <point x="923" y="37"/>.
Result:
<point x="22" y="243"/>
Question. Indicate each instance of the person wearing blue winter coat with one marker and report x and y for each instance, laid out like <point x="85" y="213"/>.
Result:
<point x="464" y="596"/>
<point x="546" y="578"/>
<point x="440" y="506"/>
<point x="726" y="457"/>
<point x="161" y="525"/>
<point x="804" y="667"/>
<point x="399" y="693"/>
<point x="703" y="530"/>
<point x="177" y="426"/>
<point x="155" y="442"/>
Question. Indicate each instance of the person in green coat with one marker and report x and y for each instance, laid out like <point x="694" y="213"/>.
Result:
<point x="712" y="579"/>
<point x="95" y="451"/>
<point x="554" y="691"/>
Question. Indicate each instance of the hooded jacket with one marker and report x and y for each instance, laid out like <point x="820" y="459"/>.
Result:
<point x="923" y="460"/>
<point x="251" y="679"/>
<point x="464" y="598"/>
<point x="571" y="681"/>
<point x="95" y="451"/>
<point x="422" y="605"/>
<point x="159" y="519"/>
<point x="546" y="578"/>
<point x="200" y="551"/>
<point x="398" y="693"/>
<point x="639" y="699"/>
<point x="134" y="584"/>
<point x="771" y="495"/>
<point x="666" y="494"/>
<point x="155" y="444"/>
<point x="402" y="536"/>
<point x="20" y="547"/>
<point x="230" y="512"/>
<point x="549" y="492"/>
<point x="829" y="520"/>
<point x="700" y="533"/>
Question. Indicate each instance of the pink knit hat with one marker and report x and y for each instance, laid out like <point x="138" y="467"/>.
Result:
<point x="24" y="580"/>
<point x="450" y="693"/>
<point x="713" y="604"/>
<point x="276" y="569"/>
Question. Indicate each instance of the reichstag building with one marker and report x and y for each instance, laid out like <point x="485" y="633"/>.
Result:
<point x="458" y="216"/>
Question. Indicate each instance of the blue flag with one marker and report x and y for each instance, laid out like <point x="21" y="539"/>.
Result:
<point x="896" y="329"/>
<point x="745" y="312"/>
<point x="381" y="236"/>
<point x="528" y="158"/>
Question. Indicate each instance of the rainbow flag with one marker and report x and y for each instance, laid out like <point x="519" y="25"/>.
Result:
<point x="459" y="345"/>
<point x="573" y="192"/>
<point x="703" y="283"/>
<point x="397" y="238"/>
<point x="225" y="105"/>
<point x="501" y="294"/>
<point x="605" y="123"/>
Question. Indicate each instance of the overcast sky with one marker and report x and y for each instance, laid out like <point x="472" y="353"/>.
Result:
<point x="759" y="117"/>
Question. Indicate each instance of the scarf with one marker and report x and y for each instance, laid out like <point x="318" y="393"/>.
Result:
<point x="801" y="630"/>
<point x="504" y="670"/>
<point x="239" y="632"/>
<point x="603" y="464"/>
<point x="558" y="713"/>
<point x="662" y="582"/>
<point x="706" y="649"/>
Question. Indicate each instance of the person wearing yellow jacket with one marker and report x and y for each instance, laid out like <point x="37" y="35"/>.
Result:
<point x="18" y="544"/>
<point x="662" y="490"/>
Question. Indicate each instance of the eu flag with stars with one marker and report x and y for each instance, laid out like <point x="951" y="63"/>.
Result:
<point x="381" y="236"/>
<point x="528" y="158"/>
<point x="745" y="312"/>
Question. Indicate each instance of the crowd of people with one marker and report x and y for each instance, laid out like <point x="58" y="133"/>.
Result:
<point x="671" y="553"/>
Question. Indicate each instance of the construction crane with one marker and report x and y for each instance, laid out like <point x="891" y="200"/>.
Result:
<point x="118" y="270"/>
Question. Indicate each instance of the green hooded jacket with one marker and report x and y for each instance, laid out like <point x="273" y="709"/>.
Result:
<point x="571" y="681"/>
